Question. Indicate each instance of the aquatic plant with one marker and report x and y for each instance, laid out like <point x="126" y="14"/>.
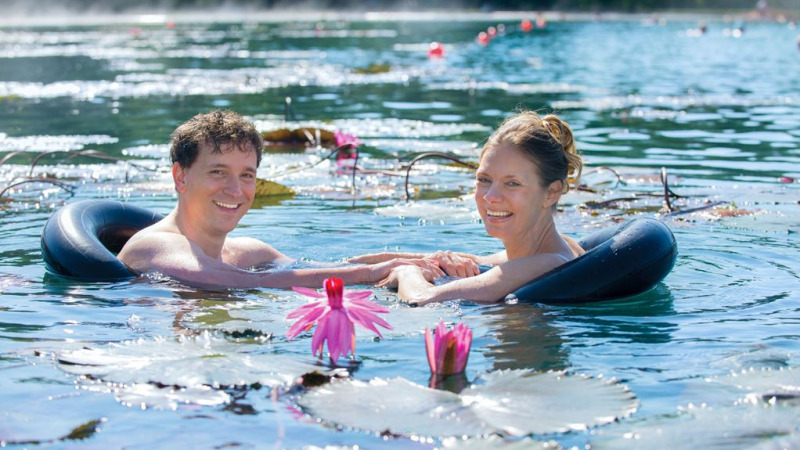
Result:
<point x="335" y="317"/>
<point x="206" y="359"/>
<point x="507" y="402"/>
<point x="448" y="350"/>
<point x="341" y="138"/>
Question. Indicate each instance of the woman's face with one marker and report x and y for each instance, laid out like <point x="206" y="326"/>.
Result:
<point x="509" y="194"/>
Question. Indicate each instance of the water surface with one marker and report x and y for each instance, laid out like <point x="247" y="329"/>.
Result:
<point x="720" y="113"/>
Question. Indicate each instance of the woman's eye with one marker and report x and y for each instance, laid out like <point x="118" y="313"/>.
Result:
<point x="482" y="180"/>
<point x="514" y="184"/>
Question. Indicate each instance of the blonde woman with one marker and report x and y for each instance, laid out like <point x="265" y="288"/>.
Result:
<point x="523" y="171"/>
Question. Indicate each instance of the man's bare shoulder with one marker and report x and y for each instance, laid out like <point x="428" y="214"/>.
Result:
<point x="246" y="252"/>
<point x="147" y="245"/>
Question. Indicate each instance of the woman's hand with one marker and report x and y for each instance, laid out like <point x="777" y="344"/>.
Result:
<point x="429" y="268"/>
<point x="454" y="264"/>
<point x="409" y="271"/>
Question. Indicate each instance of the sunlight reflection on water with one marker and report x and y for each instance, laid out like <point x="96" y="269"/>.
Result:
<point x="731" y="302"/>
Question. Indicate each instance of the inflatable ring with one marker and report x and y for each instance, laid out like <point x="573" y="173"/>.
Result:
<point x="81" y="239"/>
<point x="620" y="261"/>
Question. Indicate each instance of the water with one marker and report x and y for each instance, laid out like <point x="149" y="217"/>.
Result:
<point x="720" y="113"/>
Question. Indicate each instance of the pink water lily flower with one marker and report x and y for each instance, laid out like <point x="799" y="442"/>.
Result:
<point x="343" y="138"/>
<point x="448" y="351"/>
<point x="335" y="317"/>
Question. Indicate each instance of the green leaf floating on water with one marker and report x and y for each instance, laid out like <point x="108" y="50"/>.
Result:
<point x="514" y="402"/>
<point x="266" y="188"/>
<point x="84" y="431"/>
<point x="202" y="360"/>
<point x="373" y="69"/>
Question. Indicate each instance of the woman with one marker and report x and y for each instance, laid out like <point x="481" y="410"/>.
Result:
<point x="523" y="172"/>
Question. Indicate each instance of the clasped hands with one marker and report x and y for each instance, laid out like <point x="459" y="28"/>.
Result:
<point x="435" y="265"/>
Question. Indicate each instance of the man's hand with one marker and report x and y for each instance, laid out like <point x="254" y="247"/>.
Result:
<point x="454" y="264"/>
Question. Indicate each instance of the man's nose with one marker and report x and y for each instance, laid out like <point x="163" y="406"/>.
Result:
<point x="233" y="187"/>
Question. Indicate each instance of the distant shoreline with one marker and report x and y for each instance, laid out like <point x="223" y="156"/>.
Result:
<point x="67" y="18"/>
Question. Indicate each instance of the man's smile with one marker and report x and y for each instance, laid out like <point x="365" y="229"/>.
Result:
<point x="226" y="205"/>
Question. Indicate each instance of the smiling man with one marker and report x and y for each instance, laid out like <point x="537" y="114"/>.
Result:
<point x="215" y="157"/>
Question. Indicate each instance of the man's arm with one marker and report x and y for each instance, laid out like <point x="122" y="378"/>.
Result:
<point x="454" y="264"/>
<point x="177" y="257"/>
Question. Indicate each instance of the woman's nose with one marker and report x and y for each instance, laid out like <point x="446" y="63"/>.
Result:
<point x="493" y="194"/>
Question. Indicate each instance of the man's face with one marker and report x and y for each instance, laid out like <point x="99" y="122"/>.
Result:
<point x="218" y="189"/>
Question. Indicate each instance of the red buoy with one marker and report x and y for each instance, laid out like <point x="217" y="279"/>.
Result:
<point x="483" y="38"/>
<point x="526" y="26"/>
<point x="436" y="50"/>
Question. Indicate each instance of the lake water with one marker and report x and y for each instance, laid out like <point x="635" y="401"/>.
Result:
<point x="710" y="354"/>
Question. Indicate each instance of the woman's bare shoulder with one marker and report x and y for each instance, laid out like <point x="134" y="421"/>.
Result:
<point x="576" y="248"/>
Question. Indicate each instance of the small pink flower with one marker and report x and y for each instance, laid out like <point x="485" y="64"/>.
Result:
<point x="343" y="139"/>
<point x="335" y="318"/>
<point x="448" y="351"/>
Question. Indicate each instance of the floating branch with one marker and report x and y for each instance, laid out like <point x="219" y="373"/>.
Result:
<point x="667" y="191"/>
<point x="447" y="156"/>
<point x="620" y="181"/>
<point x="52" y="181"/>
<point x="13" y="154"/>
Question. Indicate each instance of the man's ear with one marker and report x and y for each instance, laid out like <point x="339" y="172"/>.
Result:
<point x="179" y="177"/>
<point x="554" y="191"/>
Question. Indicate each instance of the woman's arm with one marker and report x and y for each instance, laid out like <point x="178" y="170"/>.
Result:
<point x="494" y="259"/>
<point x="488" y="287"/>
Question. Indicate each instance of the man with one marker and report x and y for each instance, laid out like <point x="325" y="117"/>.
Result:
<point x="214" y="161"/>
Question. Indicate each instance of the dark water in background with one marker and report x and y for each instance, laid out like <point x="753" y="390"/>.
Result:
<point x="720" y="113"/>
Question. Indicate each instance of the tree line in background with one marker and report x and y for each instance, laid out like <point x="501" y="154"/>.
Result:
<point x="121" y="6"/>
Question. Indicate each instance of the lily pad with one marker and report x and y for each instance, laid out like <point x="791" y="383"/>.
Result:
<point x="146" y="396"/>
<point x="500" y="443"/>
<point x="520" y="403"/>
<point x="303" y="135"/>
<point x="201" y="360"/>
<point x="266" y="188"/>
<point x="514" y="402"/>
<point x="373" y="69"/>
<point x="744" y="426"/>
<point x="394" y="406"/>
<point x="780" y="385"/>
